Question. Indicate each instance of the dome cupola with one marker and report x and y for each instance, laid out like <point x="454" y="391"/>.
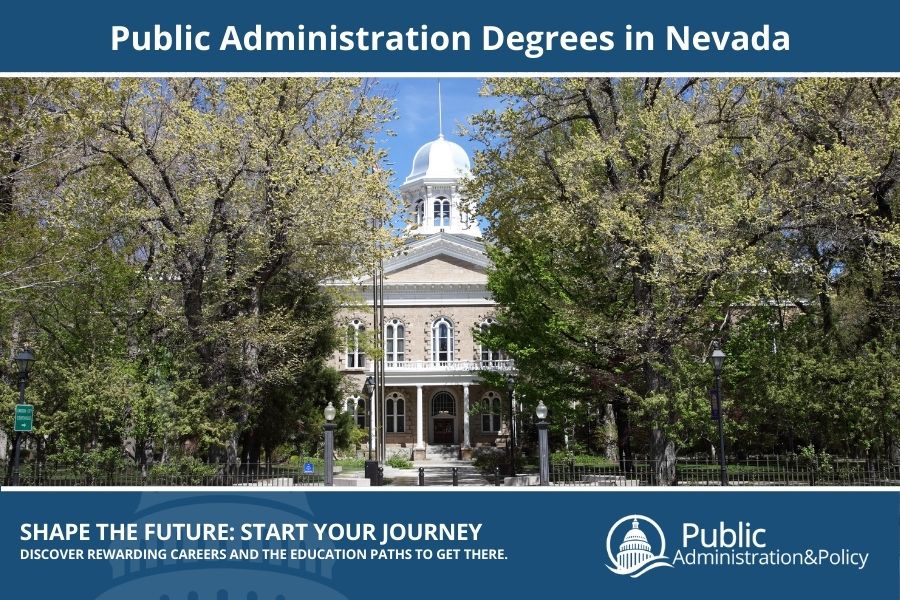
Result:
<point x="432" y="189"/>
<point x="439" y="160"/>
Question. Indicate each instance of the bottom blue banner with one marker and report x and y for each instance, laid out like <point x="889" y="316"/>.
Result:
<point x="285" y="545"/>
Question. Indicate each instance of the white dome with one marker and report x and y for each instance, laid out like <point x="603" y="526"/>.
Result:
<point x="439" y="159"/>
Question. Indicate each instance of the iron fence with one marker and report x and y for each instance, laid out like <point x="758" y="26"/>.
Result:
<point x="754" y="471"/>
<point x="692" y="471"/>
<point x="195" y="474"/>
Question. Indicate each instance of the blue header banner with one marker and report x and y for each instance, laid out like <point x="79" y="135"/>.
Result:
<point x="287" y="545"/>
<point x="464" y="36"/>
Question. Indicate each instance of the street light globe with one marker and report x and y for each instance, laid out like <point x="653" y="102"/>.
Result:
<point x="510" y="381"/>
<point x="368" y="386"/>
<point x="541" y="410"/>
<point x="718" y="358"/>
<point x="23" y="360"/>
<point x="330" y="412"/>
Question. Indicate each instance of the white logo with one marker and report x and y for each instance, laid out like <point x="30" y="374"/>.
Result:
<point x="635" y="556"/>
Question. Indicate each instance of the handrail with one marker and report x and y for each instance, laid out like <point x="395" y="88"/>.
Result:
<point x="452" y="365"/>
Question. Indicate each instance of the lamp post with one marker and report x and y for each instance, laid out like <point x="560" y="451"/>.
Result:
<point x="367" y="391"/>
<point x="371" y="467"/>
<point x="718" y="359"/>
<point x="510" y="391"/>
<point x="329" y="444"/>
<point x="543" y="445"/>
<point x="23" y="360"/>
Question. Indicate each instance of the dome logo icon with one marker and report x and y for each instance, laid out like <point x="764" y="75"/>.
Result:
<point x="635" y="555"/>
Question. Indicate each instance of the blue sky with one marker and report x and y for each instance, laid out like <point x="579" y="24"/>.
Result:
<point x="417" y="115"/>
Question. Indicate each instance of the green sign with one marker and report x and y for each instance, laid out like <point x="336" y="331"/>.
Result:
<point x="24" y="417"/>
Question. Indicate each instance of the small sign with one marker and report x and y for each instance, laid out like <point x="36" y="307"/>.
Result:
<point x="24" y="417"/>
<point x="308" y="468"/>
<point x="714" y="403"/>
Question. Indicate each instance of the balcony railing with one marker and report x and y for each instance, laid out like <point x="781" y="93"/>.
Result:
<point x="451" y="365"/>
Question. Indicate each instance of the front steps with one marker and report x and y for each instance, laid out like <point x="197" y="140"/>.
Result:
<point x="442" y="451"/>
<point x="432" y="452"/>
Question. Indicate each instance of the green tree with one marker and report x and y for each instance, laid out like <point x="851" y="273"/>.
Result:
<point x="632" y="220"/>
<point x="188" y="220"/>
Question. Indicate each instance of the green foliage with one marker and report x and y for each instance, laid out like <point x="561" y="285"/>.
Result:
<point x="581" y="460"/>
<point x="183" y="471"/>
<point x="163" y="240"/>
<point x="634" y="220"/>
<point x="399" y="461"/>
<point x="489" y="459"/>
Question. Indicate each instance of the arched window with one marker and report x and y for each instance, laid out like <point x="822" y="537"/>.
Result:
<point x="394" y="414"/>
<point x="441" y="212"/>
<point x="489" y="356"/>
<point x="443" y="404"/>
<point x="420" y="212"/>
<point x="394" y="341"/>
<point x="359" y="411"/>
<point x="490" y="413"/>
<point x="356" y="358"/>
<point x="442" y="341"/>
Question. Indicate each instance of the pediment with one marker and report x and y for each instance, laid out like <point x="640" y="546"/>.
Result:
<point x="438" y="269"/>
<point x="437" y="258"/>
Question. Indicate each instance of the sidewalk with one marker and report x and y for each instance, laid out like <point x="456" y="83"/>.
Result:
<point x="437" y="472"/>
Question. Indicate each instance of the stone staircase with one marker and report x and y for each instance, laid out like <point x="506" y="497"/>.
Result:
<point x="443" y="452"/>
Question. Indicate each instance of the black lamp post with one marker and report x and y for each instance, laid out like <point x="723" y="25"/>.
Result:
<point x="510" y="391"/>
<point x="23" y="360"/>
<point x="329" y="444"/>
<point x="718" y="359"/>
<point x="543" y="445"/>
<point x="367" y="390"/>
<point x="371" y="467"/>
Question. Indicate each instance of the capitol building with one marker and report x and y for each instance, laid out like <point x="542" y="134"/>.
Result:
<point x="634" y="550"/>
<point x="435" y="297"/>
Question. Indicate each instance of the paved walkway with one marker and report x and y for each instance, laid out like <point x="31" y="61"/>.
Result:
<point x="437" y="472"/>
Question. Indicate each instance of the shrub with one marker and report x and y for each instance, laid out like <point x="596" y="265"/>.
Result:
<point x="488" y="459"/>
<point x="183" y="471"/>
<point x="399" y="461"/>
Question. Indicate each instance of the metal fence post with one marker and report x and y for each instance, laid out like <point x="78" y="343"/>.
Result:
<point x="380" y="476"/>
<point x="422" y="476"/>
<point x="455" y="476"/>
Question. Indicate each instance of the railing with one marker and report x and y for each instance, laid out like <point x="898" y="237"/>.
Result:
<point x="451" y="365"/>
<point x="757" y="471"/>
<point x="197" y="474"/>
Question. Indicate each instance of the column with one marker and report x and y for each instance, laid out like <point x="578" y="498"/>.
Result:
<point x="420" y="439"/>
<point x="372" y="439"/>
<point x="466" y="441"/>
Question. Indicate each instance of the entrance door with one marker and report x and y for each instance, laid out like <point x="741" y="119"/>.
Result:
<point x="443" y="431"/>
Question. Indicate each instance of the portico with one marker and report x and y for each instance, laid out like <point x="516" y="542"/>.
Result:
<point x="441" y="407"/>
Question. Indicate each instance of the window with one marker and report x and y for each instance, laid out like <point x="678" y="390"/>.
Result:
<point x="394" y="341"/>
<point x="441" y="212"/>
<point x="356" y="358"/>
<point x="360" y="413"/>
<point x="443" y="404"/>
<point x="442" y="341"/>
<point x="490" y="413"/>
<point x="420" y="212"/>
<point x="489" y="356"/>
<point x="394" y="414"/>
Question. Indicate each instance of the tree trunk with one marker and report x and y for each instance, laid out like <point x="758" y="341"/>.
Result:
<point x="623" y="431"/>
<point x="610" y="433"/>
<point x="662" y="448"/>
<point x="662" y="452"/>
